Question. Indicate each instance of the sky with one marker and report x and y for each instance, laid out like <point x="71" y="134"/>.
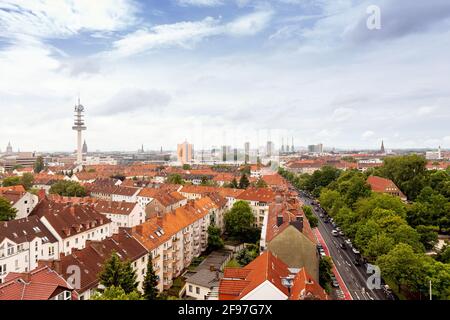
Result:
<point x="222" y="72"/>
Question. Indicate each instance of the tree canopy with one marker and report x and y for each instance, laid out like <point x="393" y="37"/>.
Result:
<point x="68" y="189"/>
<point x="7" y="212"/>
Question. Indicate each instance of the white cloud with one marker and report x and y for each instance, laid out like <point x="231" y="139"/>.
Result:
<point x="60" y="19"/>
<point x="188" y="33"/>
<point x="426" y="110"/>
<point x="368" y="134"/>
<point x="200" y="3"/>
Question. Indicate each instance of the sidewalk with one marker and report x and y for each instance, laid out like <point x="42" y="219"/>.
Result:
<point x="342" y="285"/>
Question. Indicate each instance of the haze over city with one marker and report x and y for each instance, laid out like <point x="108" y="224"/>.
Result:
<point x="218" y="72"/>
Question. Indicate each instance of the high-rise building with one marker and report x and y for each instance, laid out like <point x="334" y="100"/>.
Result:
<point x="247" y="152"/>
<point x="224" y="153"/>
<point x="9" y="149"/>
<point x="269" y="148"/>
<point x="85" y="148"/>
<point x="315" y="148"/>
<point x="79" y="126"/>
<point x="185" y="152"/>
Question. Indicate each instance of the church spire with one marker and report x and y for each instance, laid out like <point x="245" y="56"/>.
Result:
<point x="382" y="147"/>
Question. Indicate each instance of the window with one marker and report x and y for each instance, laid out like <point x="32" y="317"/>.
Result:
<point x="51" y="251"/>
<point x="10" y="251"/>
<point x="67" y="244"/>
<point x="197" y="290"/>
<point x="190" y="288"/>
<point x="3" y="269"/>
<point x="76" y="240"/>
<point x="16" y="264"/>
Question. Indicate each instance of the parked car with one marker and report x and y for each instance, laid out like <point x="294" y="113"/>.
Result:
<point x="355" y="251"/>
<point x="334" y="233"/>
<point x="348" y="242"/>
<point x="338" y="229"/>
<point x="343" y="246"/>
<point x="321" y="215"/>
<point x="356" y="262"/>
<point x="334" y="282"/>
<point x="341" y="233"/>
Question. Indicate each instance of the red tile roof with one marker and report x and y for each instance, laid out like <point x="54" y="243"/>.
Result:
<point x="258" y="194"/>
<point x="379" y="184"/>
<point x="69" y="219"/>
<point x="40" y="284"/>
<point x="239" y="282"/>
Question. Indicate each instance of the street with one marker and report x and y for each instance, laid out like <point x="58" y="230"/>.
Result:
<point x="353" y="276"/>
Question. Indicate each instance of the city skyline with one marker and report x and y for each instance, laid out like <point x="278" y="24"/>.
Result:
<point x="192" y="68"/>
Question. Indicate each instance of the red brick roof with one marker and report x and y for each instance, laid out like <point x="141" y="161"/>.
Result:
<point x="114" y="207"/>
<point x="379" y="184"/>
<point x="41" y="283"/>
<point x="257" y="194"/>
<point x="69" y="219"/>
<point x="239" y="282"/>
<point x="90" y="260"/>
<point x="265" y="267"/>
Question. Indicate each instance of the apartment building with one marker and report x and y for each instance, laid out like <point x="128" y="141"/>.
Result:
<point x="72" y="224"/>
<point x="122" y="214"/>
<point x="175" y="238"/>
<point x="259" y="200"/>
<point x="22" y="243"/>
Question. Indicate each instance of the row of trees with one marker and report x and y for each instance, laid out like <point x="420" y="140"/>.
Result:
<point x="388" y="232"/>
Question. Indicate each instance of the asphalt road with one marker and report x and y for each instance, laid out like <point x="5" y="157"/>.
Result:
<point x="355" y="277"/>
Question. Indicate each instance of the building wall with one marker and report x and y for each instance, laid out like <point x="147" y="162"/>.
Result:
<point x="265" y="291"/>
<point x="197" y="292"/>
<point x="25" y="205"/>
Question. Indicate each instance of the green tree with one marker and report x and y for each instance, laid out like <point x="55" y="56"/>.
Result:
<point x="378" y="245"/>
<point x="186" y="166"/>
<point x="27" y="180"/>
<point x="401" y="266"/>
<point x="239" y="220"/>
<point x="325" y="272"/>
<point x="150" y="282"/>
<point x="247" y="255"/>
<point x="260" y="183"/>
<point x="234" y="184"/>
<point x="312" y="219"/>
<point x="244" y="182"/>
<point x="215" y="241"/>
<point x="7" y="212"/>
<point x="12" y="181"/>
<point x="175" y="179"/>
<point x="117" y="293"/>
<point x="119" y="274"/>
<point x="39" y="164"/>
<point x="407" y="172"/>
<point x="428" y="235"/>
<point x="68" y="189"/>
<point x="128" y="279"/>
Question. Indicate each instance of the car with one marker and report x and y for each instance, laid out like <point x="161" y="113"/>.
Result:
<point x="334" y="282"/>
<point x="341" y="233"/>
<point x="334" y="224"/>
<point x="334" y="233"/>
<point x="356" y="262"/>
<point x="322" y="253"/>
<point x="331" y="219"/>
<point x="343" y="246"/>
<point x="325" y="220"/>
<point x="348" y="242"/>
<point x="338" y="229"/>
<point x="321" y="215"/>
<point x="355" y="251"/>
